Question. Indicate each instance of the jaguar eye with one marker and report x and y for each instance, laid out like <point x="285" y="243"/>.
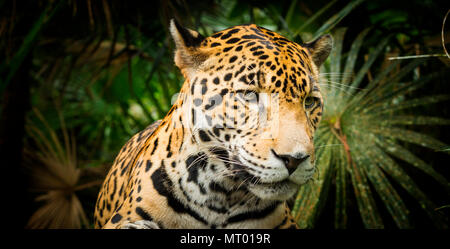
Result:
<point x="309" y="102"/>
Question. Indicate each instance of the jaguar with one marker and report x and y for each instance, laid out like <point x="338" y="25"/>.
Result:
<point x="236" y="144"/>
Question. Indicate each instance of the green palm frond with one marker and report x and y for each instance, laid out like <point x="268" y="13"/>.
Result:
<point x="363" y="129"/>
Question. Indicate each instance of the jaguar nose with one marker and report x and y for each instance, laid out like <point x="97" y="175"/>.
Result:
<point x="292" y="161"/>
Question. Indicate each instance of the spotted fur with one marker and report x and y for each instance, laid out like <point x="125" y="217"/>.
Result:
<point x="236" y="144"/>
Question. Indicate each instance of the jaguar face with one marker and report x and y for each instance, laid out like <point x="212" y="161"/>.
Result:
<point x="254" y="102"/>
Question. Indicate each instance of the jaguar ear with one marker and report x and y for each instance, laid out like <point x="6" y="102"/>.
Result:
<point x="184" y="37"/>
<point x="320" y="49"/>
<point x="187" y="43"/>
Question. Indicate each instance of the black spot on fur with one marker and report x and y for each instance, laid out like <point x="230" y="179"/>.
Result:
<point x="203" y="136"/>
<point x="193" y="115"/>
<point x="216" y="187"/>
<point x="251" y="37"/>
<point x="116" y="218"/>
<point x="216" y="131"/>
<point x="217" y="35"/>
<point x="258" y="214"/>
<point x="223" y="92"/>
<point x="163" y="185"/>
<point x="193" y="164"/>
<point x="220" y="210"/>
<point x="280" y="72"/>
<point x="233" y="40"/>
<point x="204" y="87"/>
<point x="226" y="36"/>
<point x="258" y="53"/>
<point x="233" y="31"/>
<point x="228" y="76"/>
<point x="148" y="165"/>
<point x="220" y="153"/>
<point x="155" y="145"/>
<point x="144" y="215"/>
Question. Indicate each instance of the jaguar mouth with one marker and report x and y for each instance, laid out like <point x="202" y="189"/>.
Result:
<point x="280" y="190"/>
<point x="273" y="184"/>
<point x="262" y="173"/>
<point x="268" y="178"/>
<point x="279" y="186"/>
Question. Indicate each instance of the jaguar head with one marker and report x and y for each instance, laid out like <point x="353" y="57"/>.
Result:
<point x="253" y="101"/>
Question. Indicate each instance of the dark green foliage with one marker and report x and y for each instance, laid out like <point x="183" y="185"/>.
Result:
<point x="103" y="70"/>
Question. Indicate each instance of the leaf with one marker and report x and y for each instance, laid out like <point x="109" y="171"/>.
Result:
<point x="335" y="19"/>
<point x="406" y="70"/>
<point x="325" y="173"/>
<point x="361" y="98"/>
<point x="376" y="92"/>
<point x="445" y="148"/>
<point x="332" y="77"/>
<point x="404" y="180"/>
<point x="340" y="211"/>
<point x="27" y="44"/>
<point x="291" y="12"/>
<point x="55" y="173"/>
<point x="382" y="109"/>
<point x="386" y="96"/>
<point x="364" y="197"/>
<point x="313" y="18"/>
<point x="336" y="52"/>
<point x="352" y="56"/>
<point x="403" y="154"/>
<point x="408" y="136"/>
<point x="306" y="205"/>
<point x="364" y="69"/>
<point x="413" y="120"/>
<point x="392" y="201"/>
<point x="239" y="9"/>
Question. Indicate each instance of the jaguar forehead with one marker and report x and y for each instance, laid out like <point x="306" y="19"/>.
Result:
<point x="245" y="54"/>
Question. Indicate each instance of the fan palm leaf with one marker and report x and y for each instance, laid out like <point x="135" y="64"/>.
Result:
<point x="55" y="177"/>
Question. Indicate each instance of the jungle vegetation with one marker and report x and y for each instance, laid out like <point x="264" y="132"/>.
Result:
<point x="79" y="78"/>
